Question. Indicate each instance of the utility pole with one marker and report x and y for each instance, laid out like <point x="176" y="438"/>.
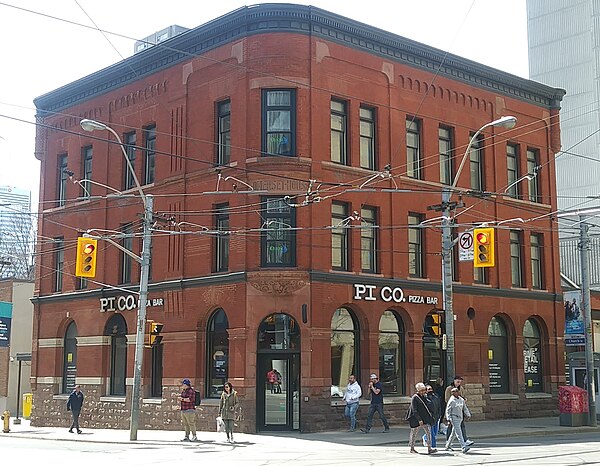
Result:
<point x="584" y="247"/>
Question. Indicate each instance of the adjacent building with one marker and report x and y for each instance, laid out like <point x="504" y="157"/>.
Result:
<point x="16" y="234"/>
<point x="293" y="155"/>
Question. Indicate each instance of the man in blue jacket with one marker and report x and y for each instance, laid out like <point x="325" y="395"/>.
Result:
<point x="74" y="405"/>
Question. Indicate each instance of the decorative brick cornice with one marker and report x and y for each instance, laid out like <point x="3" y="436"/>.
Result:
<point x="298" y="19"/>
<point x="277" y="283"/>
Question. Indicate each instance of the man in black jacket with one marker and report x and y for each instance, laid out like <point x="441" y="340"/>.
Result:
<point x="74" y="405"/>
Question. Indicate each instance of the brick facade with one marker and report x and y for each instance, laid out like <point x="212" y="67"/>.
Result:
<point x="341" y="60"/>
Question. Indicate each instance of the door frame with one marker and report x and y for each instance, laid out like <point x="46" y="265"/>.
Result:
<point x="264" y="363"/>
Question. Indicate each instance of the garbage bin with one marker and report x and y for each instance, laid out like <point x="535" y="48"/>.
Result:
<point x="573" y="406"/>
<point x="27" y="402"/>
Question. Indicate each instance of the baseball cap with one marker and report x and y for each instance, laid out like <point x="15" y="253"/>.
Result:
<point x="373" y="376"/>
<point x="454" y="389"/>
<point x="186" y="382"/>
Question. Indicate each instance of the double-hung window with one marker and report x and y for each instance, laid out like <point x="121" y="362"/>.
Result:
<point x="150" y="154"/>
<point x="61" y="192"/>
<point x="223" y="132"/>
<point x="445" y="149"/>
<point x="533" y="185"/>
<point x="278" y="237"/>
<point x="129" y="141"/>
<point x="279" y="120"/>
<point x="537" y="262"/>
<point x="86" y="185"/>
<point x="59" y="264"/>
<point x="415" y="245"/>
<point x="222" y="238"/>
<point x="368" y="239"/>
<point x="476" y="164"/>
<point x="516" y="258"/>
<point x="367" y="138"/>
<point x="339" y="132"/>
<point x="413" y="148"/>
<point x="512" y="167"/>
<point x="339" y="236"/>
<point x="126" y="259"/>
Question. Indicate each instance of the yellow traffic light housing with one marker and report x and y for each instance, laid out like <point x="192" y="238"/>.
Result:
<point x="85" y="263"/>
<point x="433" y="324"/>
<point x="483" y="247"/>
<point x="154" y="336"/>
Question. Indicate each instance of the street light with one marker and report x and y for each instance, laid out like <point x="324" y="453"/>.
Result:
<point x="144" y="260"/>
<point x="447" y="242"/>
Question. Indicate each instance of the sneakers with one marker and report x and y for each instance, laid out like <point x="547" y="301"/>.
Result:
<point x="70" y="431"/>
<point x="194" y="439"/>
<point x="185" y="439"/>
<point x="385" y="431"/>
<point x="351" y="430"/>
<point x="78" y="431"/>
<point x="365" y="431"/>
<point x="469" y="443"/>
<point x="449" y="449"/>
<point x="431" y="451"/>
<point x="466" y="449"/>
<point x="412" y="450"/>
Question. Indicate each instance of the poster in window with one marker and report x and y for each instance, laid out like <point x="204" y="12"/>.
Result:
<point x="532" y="367"/>
<point x="498" y="365"/>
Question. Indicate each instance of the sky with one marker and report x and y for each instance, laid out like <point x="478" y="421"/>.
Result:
<point x="41" y="53"/>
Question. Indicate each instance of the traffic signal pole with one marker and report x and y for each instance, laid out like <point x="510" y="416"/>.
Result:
<point x="141" y="318"/>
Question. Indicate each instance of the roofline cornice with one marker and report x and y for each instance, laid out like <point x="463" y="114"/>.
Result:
<point x="299" y="19"/>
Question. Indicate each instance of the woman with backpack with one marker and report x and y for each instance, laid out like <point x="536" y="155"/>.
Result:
<point x="228" y="409"/>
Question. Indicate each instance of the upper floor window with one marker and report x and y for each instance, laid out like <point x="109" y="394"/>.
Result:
<point x="367" y="138"/>
<point x="340" y="250"/>
<point x="61" y="192"/>
<point x="224" y="132"/>
<point x="129" y="141"/>
<point x="481" y="275"/>
<point x="413" y="148"/>
<point x="86" y="186"/>
<point x="537" y="262"/>
<point x="516" y="258"/>
<point x="278" y="237"/>
<point x="533" y="163"/>
<point x="339" y="132"/>
<point x="445" y="148"/>
<point x="222" y="238"/>
<point x="59" y="264"/>
<point x="476" y="163"/>
<point x="150" y="154"/>
<point x="368" y="239"/>
<point x="512" y="166"/>
<point x="415" y="246"/>
<point x="279" y="121"/>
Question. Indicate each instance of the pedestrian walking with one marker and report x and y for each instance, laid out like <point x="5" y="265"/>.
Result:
<point x="278" y="380"/>
<point x="188" y="410"/>
<point x="228" y="409"/>
<point x="419" y="416"/>
<point x="457" y="383"/>
<point x="272" y="379"/>
<point x="376" y="393"/>
<point x="436" y="408"/>
<point x="74" y="404"/>
<point x="352" y="398"/>
<point x="456" y="411"/>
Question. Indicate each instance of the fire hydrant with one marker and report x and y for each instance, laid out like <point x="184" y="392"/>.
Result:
<point x="6" y="418"/>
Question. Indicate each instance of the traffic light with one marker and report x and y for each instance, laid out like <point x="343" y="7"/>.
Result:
<point x="483" y="247"/>
<point x="154" y="336"/>
<point x="85" y="263"/>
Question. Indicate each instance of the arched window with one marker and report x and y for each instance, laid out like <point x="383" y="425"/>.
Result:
<point x="217" y="353"/>
<point x="532" y="355"/>
<point x="70" y="359"/>
<point x="344" y="349"/>
<point x="391" y="353"/>
<point x="116" y="328"/>
<point x="498" y="356"/>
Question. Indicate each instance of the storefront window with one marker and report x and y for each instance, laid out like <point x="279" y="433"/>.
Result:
<point x="218" y="353"/>
<point x="116" y="328"/>
<point x="70" y="359"/>
<point x="498" y="356"/>
<point x="344" y="350"/>
<point x="391" y="353"/>
<point x="532" y="354"/>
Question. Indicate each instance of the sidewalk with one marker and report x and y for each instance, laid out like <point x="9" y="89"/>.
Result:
<point x="478" y="430"/>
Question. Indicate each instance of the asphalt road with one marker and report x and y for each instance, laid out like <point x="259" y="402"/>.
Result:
<point x="560" y="450"/>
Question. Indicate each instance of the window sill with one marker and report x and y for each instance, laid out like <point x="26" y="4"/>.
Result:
<point x="153" y="401"/>
<point x="209" y="402"/>
<point x="113" y="399"/>
<point x="61" y="397"/>
<point x="503" y="396"/>
<point x="541" y="395"/>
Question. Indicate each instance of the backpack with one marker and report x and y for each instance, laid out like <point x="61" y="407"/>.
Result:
<point x="197" y="399"/>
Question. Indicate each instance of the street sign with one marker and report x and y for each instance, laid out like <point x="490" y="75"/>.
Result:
<point x="465" y="246"/>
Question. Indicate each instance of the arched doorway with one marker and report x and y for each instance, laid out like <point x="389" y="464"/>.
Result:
<point x="278" y="376"/>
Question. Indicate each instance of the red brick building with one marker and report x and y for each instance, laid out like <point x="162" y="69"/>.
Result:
<point x="292" y="155"/>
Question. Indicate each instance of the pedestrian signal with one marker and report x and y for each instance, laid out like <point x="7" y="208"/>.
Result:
<point x="483" y="247"/>
<point x="154" y="336"/>
<point x="85" y="263"/>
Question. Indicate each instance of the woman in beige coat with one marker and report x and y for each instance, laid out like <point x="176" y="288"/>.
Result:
<point x="227" y="409"/>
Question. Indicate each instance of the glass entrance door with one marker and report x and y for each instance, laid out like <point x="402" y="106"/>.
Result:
<point x="278" y="392"/>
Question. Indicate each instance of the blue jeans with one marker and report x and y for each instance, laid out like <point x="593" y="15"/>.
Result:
<point x="350" y="412"/>
<point x="434" y="431"/>
<point x="372" y="409"/>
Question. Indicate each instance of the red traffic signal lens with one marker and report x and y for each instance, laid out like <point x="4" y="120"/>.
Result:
<point x="483" y="238"/>
<point x="88" y="248"/>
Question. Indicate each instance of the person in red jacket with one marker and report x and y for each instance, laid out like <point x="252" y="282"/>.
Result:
<point x="188" y="410"/>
